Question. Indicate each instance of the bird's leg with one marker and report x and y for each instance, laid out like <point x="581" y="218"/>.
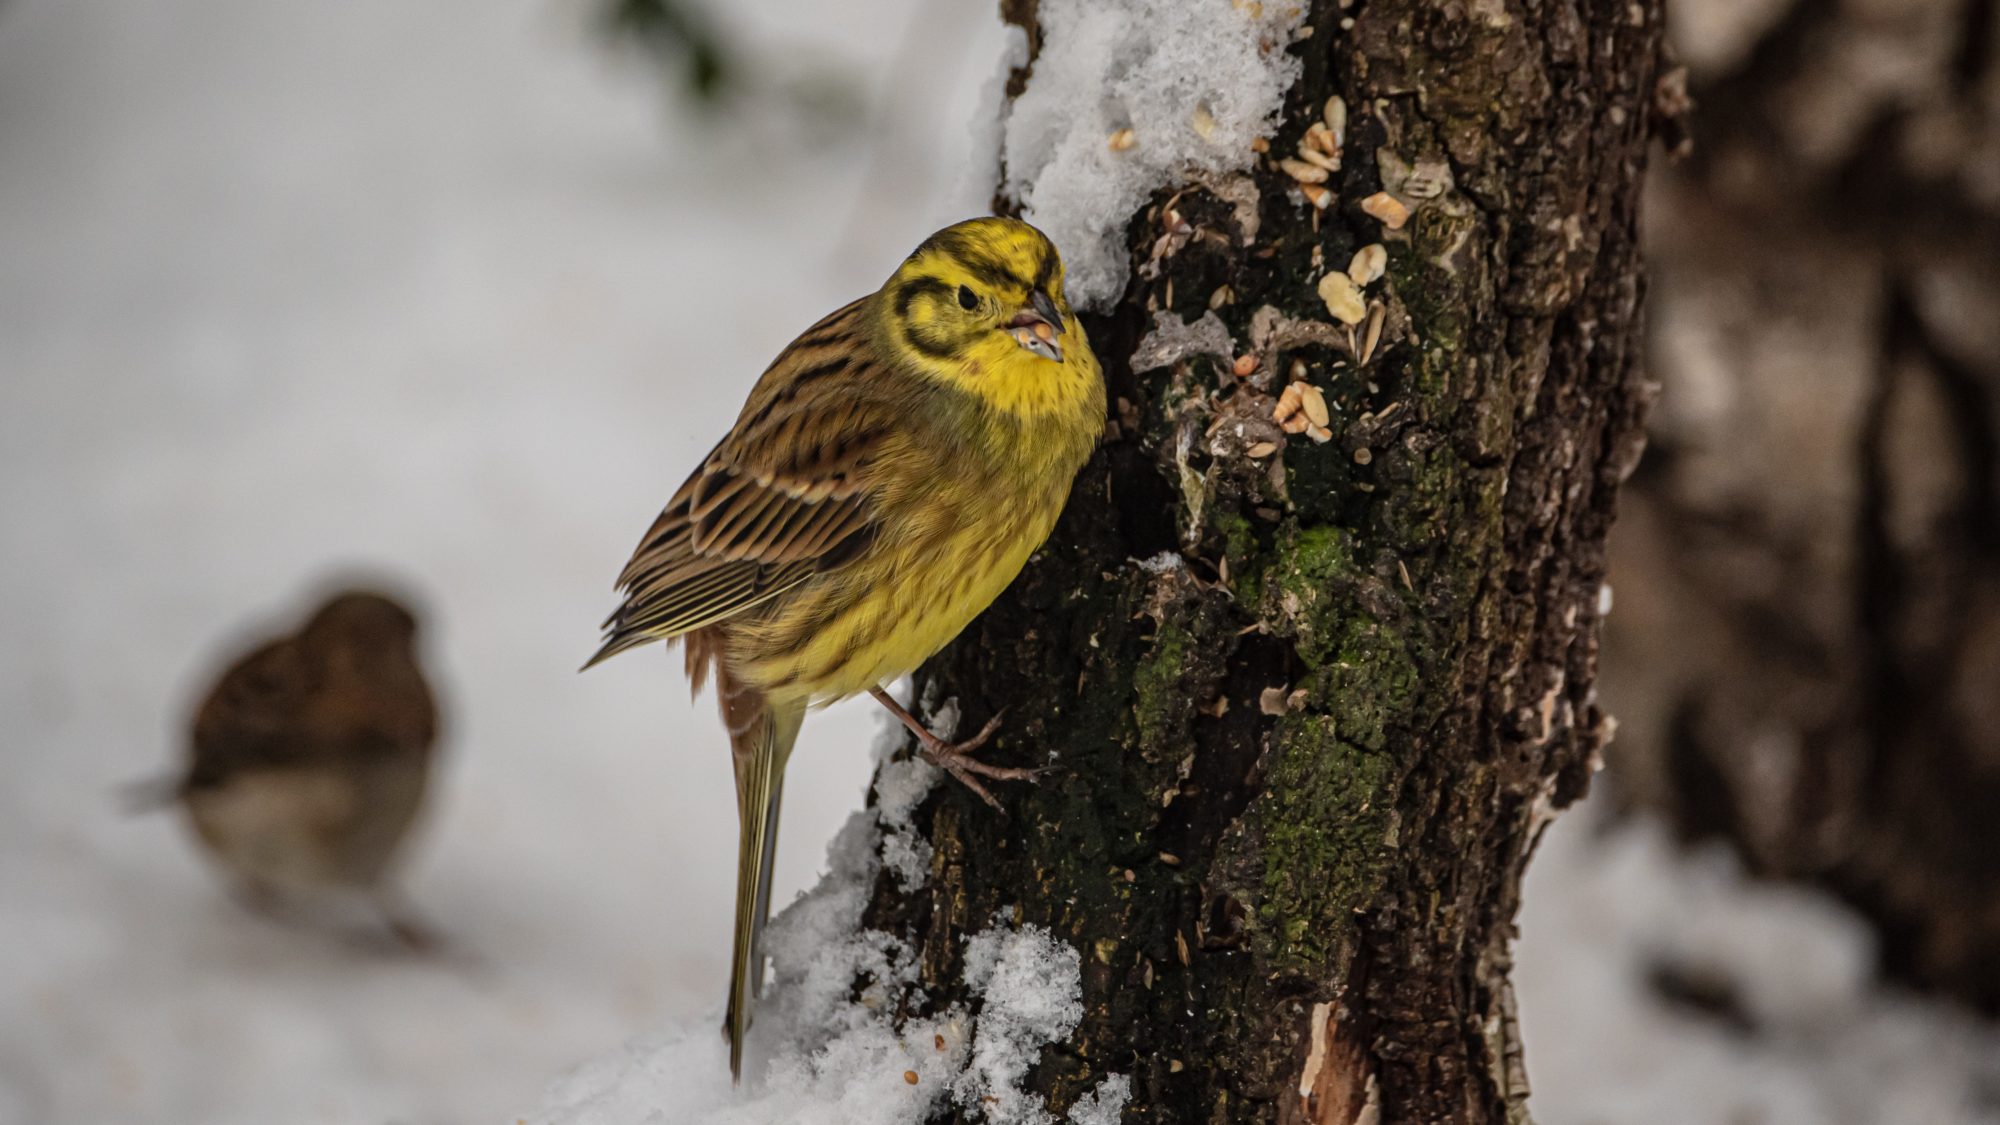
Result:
<point x="956" y="758"/>
<point x="407" y="933"/>
<point x="262" y="899"/>
<point x="412" y="934"/>
<point x="405" y="925"/>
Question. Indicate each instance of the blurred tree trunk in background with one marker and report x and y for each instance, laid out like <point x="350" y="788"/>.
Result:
<point x="1805" y="650"/>
<point x="1300" y="765"/>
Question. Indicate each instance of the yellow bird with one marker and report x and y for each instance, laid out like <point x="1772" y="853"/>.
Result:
<point x="890" y="474"/>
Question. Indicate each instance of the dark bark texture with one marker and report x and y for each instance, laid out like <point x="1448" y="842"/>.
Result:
<point x="1296" y="776"/>
<point x="1806" y="644"/>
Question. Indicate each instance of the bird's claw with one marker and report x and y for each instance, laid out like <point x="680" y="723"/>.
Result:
<point x="956" y="759"/>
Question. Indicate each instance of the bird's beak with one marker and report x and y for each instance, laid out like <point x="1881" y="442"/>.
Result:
<point x="1037" y="326"/>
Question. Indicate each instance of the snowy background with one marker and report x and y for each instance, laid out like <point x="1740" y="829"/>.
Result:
<point x="446" y="292"/>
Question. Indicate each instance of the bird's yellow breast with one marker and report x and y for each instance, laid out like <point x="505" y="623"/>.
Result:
<point x="923" y="595"/>
<point x="957" y="530"/>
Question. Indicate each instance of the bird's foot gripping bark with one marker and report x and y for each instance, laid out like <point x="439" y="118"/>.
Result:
<point x="957" y="758"/>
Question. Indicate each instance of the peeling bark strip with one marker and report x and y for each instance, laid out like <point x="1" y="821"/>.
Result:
<point x="1298" y="770"/>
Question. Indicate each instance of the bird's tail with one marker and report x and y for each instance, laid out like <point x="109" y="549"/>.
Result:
<point x="761" y="736"/>
<point x="150" y="794"/>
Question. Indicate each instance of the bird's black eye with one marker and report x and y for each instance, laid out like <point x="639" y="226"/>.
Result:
<point x="967" y="299"/>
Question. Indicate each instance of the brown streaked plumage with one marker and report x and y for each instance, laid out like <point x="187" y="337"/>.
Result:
<point x="309" y="758"/>
<point x="782" y="498"/>
<point x="890" y="474"/>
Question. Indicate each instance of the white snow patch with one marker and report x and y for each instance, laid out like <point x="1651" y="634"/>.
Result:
<point x="829" y="1042"/>
<point x="439" y="291"/>
<point x="908" y="857"/>
<point x="1162" y="563"/>
<point x="899" y="788"/>
<point x="941" y="718"/>
<point x="1829" y="1045"/>
<point x="1104" y="1105"/>
<point x="988" y="122"/>
<point x="1032" y="983"/>
<point x="828" y="1057"/>
<point x="1195" y="82"/>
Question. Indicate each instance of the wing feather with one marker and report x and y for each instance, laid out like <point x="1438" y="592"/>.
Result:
<point x="252" y="717"/>
<point x="786" y="496"/>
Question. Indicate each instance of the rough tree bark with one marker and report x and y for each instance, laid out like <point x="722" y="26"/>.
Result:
<point x="1806" y="646"/>
<point x="1298" y="775"/>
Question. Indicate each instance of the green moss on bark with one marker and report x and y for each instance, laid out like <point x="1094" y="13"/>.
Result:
<point x="1321" y="826"/>
<point x="1157" y="695"/>
<point x="1292" y="774"/>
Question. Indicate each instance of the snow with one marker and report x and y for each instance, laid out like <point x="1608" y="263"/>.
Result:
<point x="829" y="1046"/>
<point x="1103" y="1105"/>
<point x="1033" y="987"/>
<point x="986" y="128"/>
<point x="1826" y="1045"/>
<point x="838" y="1061"/>
<point x="433" y="290"/>
<point x="1196" y="83"/>
<point x="440" y="291"/>
<point x="899" y="787"/>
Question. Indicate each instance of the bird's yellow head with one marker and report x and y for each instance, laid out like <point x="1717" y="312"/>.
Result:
<point x="980" y="305"/>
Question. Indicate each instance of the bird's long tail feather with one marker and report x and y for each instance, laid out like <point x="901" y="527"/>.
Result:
<point x="761" y="736"/>
<point x="151" y="794"/>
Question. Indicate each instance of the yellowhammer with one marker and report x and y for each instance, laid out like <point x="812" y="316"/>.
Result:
<point x="890" y="474"/>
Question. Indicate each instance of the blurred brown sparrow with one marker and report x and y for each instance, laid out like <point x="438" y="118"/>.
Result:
<point x="309" y="760"/>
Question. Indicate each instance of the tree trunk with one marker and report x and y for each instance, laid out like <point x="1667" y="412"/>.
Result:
<point x="1299" y="764"/>
<point x="1807" y="644"/>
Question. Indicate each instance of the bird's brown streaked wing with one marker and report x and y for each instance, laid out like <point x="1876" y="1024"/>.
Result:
<point x="788" y="495"/>
<point x="254" y="717"/>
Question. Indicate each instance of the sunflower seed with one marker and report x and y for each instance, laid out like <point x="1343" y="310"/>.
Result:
<point x="1368" y="263"/>
<point x="1372" y="336"/>
<point x="1289" y="402"/>
<point x="1203" y="121"/>
<point x="1319" y="159"/>
<point x="1392" y="211"/>
<point x="1314" y="403"/>
<point x="1342" y="297"/>
<point x="1301" y="171"/>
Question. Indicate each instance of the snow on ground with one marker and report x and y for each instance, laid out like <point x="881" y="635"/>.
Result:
<point x="827" y="1047"/>
<point x="1815" y="1041"/>
<point x="439" y="290"/>
<point x="435" y="290"/>
<point x="1807" y="1039"/>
